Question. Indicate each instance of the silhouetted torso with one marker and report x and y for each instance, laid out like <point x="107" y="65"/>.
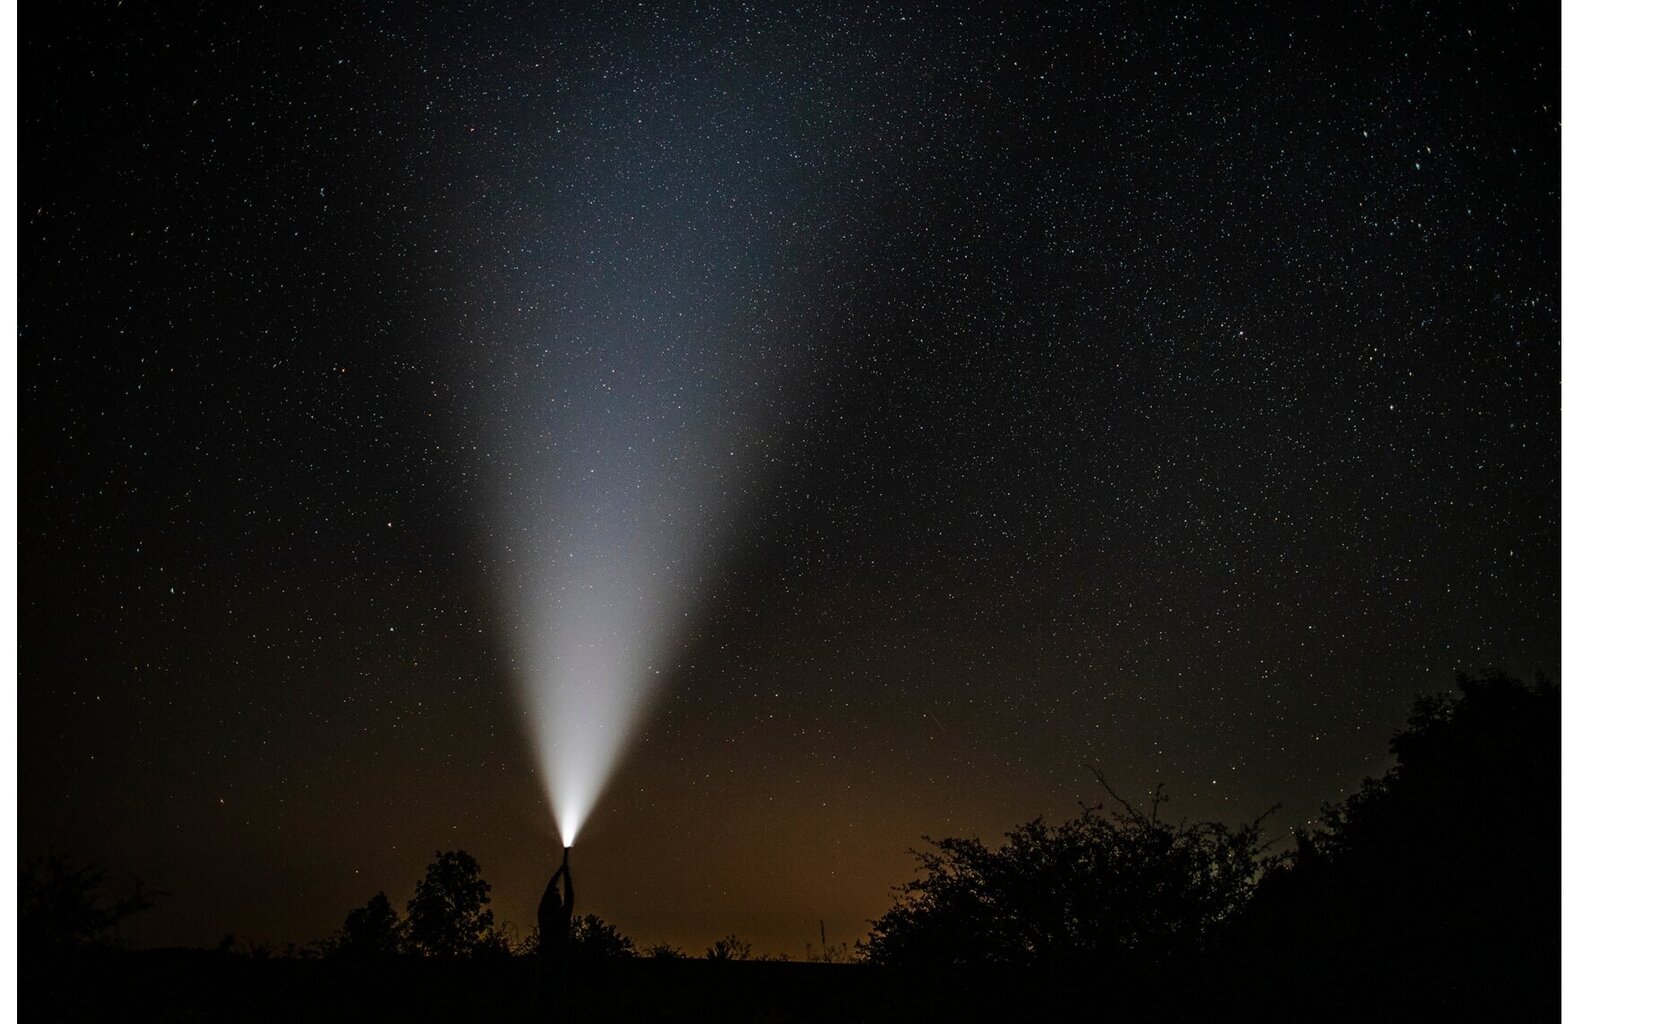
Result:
<point x="553" y="916"/>
<point x="553" y="948"/>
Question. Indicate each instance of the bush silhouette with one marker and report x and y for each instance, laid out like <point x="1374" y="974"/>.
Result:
<point x="595" y="939"/>
<point x="729" y="947"/>
<point x="1116" y="885"/>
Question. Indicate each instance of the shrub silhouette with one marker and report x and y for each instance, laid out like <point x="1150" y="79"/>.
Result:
<point x="730" y="947"/>
<point x="595" y="939"/>
<point x="1122" y="884"/>
<point x="449" y="914"/>
<point x="833" y="953"/>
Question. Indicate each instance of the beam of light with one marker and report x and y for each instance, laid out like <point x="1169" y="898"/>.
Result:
<point x="635" y="358"/>
<point x="654" y="243"/>
<point x="609" y="540"/>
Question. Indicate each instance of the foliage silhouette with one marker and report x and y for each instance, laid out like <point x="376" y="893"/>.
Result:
<point x="1443" y="876"/>
<point x="371" y="930"/>
<point x="60" y="906"/>
<point x="1120" y="884"/>
<point x="729" y="947"/>
<point x="449" y="914"/>
<point x="833" y="953"/>
<point x="595" y="939"/>
<point x="501" y="941"/>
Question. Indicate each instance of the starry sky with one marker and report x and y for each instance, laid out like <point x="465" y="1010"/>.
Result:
<point x="1170" y="387"/>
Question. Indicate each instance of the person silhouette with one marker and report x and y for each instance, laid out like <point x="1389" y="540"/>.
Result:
<point x="553" y="926"/>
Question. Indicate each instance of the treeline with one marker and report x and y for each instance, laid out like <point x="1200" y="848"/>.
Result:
<point x="1456" y="844"/>
<point x="1437" y="883"/>
<point x="1432" y="891"/>
<point x="450" y="917"/>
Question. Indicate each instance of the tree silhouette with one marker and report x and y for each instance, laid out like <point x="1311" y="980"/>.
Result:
<point x="1120" y="884"/>
<point x="373" y="929"/>
<point x="449" y="915"/>
<point x="60" y="905"/>
<point x="1441" y="878"/>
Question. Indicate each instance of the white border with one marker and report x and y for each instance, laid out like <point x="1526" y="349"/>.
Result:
<point x="1610" y="514"/>
<point x="1610" y="508"/>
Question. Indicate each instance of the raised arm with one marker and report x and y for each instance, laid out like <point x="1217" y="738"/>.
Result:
<point x="550" y="900"/>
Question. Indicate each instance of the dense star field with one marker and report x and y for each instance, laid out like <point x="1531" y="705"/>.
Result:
<point x="1168" y="387"/>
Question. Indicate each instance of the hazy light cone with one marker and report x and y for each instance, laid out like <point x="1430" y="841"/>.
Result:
<point x="597" y="627"/>
<point x="633" y="376"/>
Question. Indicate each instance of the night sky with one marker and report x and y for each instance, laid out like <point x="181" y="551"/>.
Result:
<point x="1171" y="387"/>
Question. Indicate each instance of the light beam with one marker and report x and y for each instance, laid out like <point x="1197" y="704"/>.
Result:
<point x="641" y="341"/>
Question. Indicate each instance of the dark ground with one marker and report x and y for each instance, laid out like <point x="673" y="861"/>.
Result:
<point x="194" y="985"/>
